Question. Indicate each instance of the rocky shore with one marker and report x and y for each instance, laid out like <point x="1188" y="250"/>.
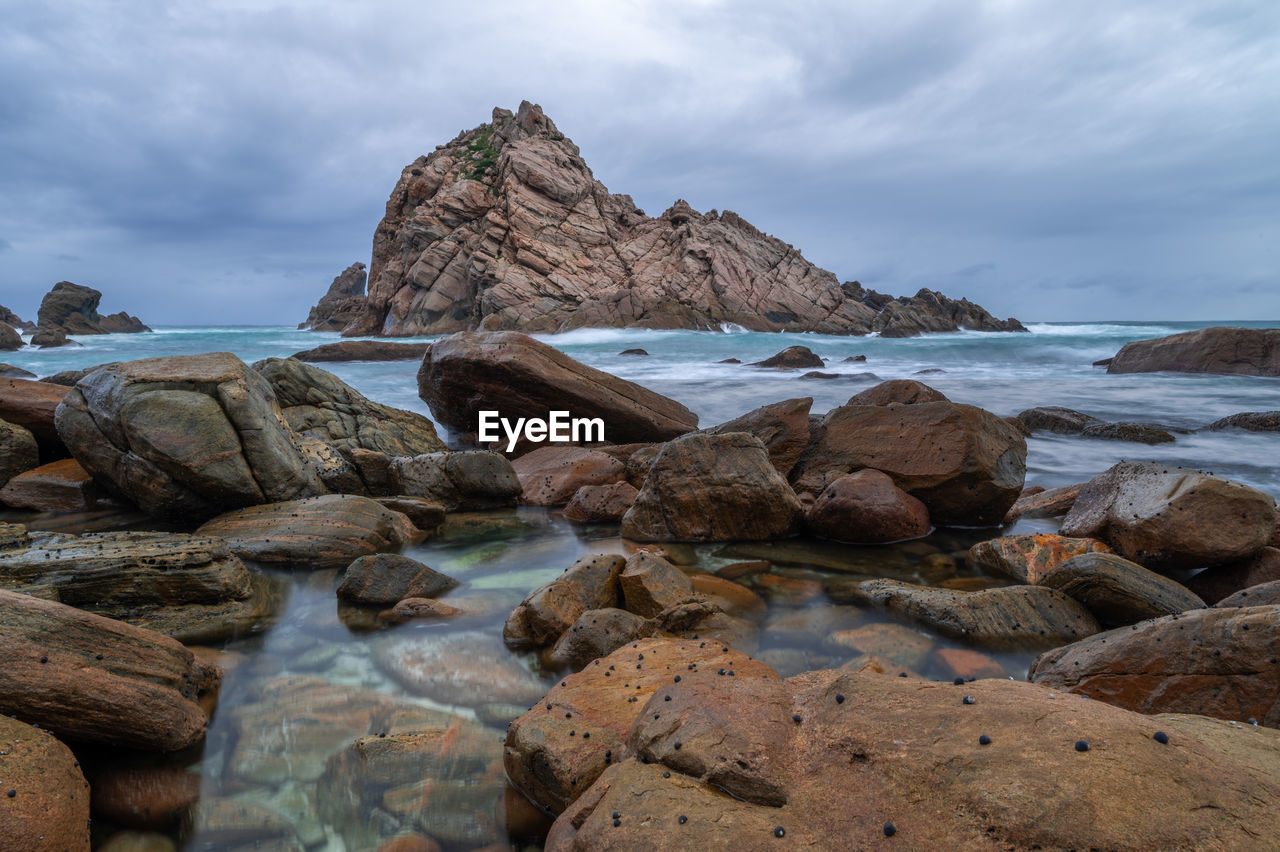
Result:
<point x="67" y="309"/>
<point x="787" y="627"/>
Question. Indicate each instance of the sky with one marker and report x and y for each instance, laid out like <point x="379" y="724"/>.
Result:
<point x="220" y="162"/>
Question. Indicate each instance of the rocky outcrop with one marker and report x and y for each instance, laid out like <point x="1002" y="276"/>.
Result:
<point x="1068" y="421"/>
<point x="18" y="453"/>
<point x="1216" y="583"/>
<point x="551" y="475"/>
<point x="388" y="578"/>
<point x="1170" y="517"/>
<point x="519" y="376"/>
<point x="783" y="427"/>
<point x="47" y="802"/>
<point x="505" y="227"/>
<point x="189" y="435"/>
<point x="51" y="338"/>
<point x="791" y="358"/>
<point x="97" y="680"/>
<point x="467" y="481"/>
<point x="713" y="488"/>
<point x="927" y="311"/>
<point x="1030" y="557"/>
<point x="903" y="391"/>
<point x="343" y="303"/>
<point x="867" y="507"/>
<point x="1050" y="503"/>
<point x="1222" y="349"/>
<point x="595" y="504"/>
<point x="9" y="318"/>
<point x="1250" y="421"/>
<point x="60" y="486"/>
<point x="73" y="309"/>
<point x="8" y="371"/>
<point x="1117" y="591"/>
<point x="363" y="350"/>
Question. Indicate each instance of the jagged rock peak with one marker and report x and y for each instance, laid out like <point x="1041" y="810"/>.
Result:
<point x="342" y="303"/>
<point x="73" y="309"/>
<point x="505" y="227"/>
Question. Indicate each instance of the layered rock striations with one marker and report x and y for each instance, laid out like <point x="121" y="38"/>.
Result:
<point x="505" y="227"/>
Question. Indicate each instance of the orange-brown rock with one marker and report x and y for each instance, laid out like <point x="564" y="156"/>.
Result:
<point x="1214" y="584"/>
<point x="601" y="503"/>
<point x="387" y="578"/>
<point x="45" y="800"/>
<point x="1236" y="351"/>
<point x="1029" y="557"/>
<point x="551" y="475"/>
<point x="1214" y="662"/>
<point x="867" y="507"/>
<point x="1118" y="591"/>
<point x="31" y="405"/>
<point x="589" y="583"/>
<point x="60" y="486"/>
<point x="901" y="391"/>
<point x="411" y="608"/>
<point x="148" y="797"/>
<point x="1263" y="594"/>
<point x="19" y="453"/>
<point x="783" y="427"/>
<point x="1046" y="503"/>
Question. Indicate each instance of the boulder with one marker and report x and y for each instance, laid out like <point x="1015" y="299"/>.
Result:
<point x="551" y="475"/>
<point x="867" y="507"/>
<point x="965" y="464"/>
<point x="1008" y="617"/>
<point x="650" y="584"/>
<point x="598" y="633"/>
<point x="60" y="486"/>
<point x="540" y="619"/>
<point x="1213" y="662"/>
<point x="10" y="339"/>
<point x="411" y="608"/>
<point x="1062" y="421"/>
<point x="818" y="374"/>
<point x="47" y="801"/>
<point x="100" y="681"/>
<point x="363" y="350"/>
<point x="1029" y="558"/>
<point x="51" y="338"/>
<point x="319" y="532"/>
<point x="636" y="352"/>
<point x="9" y="318"/>
<point x="1234" y="351"/>
<point x="123" y="323"/>
<point x="791" y="358"/>
<point x="1250" y="421"/>
<point x="1167" y="517"/>
<point x="143" y="797"/>
<point x="1048" y="503"/>
<point x="32" y="405"/>
<point x="344" y="302"/>
<point x="1263" y="594"/>
<point x="464" y="481"/>
<point x="18" y="453"/>
<point x="902" y="391"/>
<point x="1140" y="433"/>
<point x="519" y="376"/>
<point x="467" y="668"/>
<point x="592" y="504"/>
<point x="783" y="428"/>
<point x="187" y="435"/>
<point x="8" y="371"/>
<point x="73" y="309"/>
<point x="1216" y="583"/>
<point x="69" y="378"/>
<point x="1119" y="592"/>
<point x="713" y="488"/>
<point x="425" y="514"/>
<point x="387" y="578"/>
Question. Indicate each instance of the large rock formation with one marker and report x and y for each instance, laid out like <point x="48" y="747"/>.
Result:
<point x="11" y="319"/>
<point x="73" y="309"/>
<point x="344" y="302"/>
<point x="1239" y="351"/>
<point x="505" y="227"/>
<point x="48" y="807"/>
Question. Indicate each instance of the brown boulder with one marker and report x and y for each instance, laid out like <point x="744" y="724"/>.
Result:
<point x="598" y="633"/>
<point x="320" y="532"/>
<point x="411" y="608"/>
<point x="650" y="584"/>
<point x="791" y="358"/>
<point x="1236" y="351"/>
<point x="1251" y="421"/>
<point x="362" y="350"/>
<point x="1216" y="583"/>
<point x="1141" y="433"/>
<point x="540" y="619"/>
<point x="387" y="578"/>
<point x="601" y="503"/>
<point x="867" y="507"/>
<point x="1166" y="517"/>
<point x="457" y="480"/>
<point x="425" y="514"/>
<point x="713" y="488"/>
<point x="1061" y="421"/>
<point x="1214" y="662"/>
<point x="1263" y="594"/>
<point x="551" y="475"/>
<point x="10" y="339"/>
<point x="60" y="486"/>
<point x="1117" y="591"/>
<point x="1048" y="503"/>
<point x="783" y="428"/>
<point x="31" y="405"/>
<point x="965" y="464"/>
<point x="1030" y="557"/>
<point x="902" y="391"/>
<point x="51" y="338"/>
<point x="468" y="668"/>
<point x="96" y="680"/>
<point x="149" y="797"/>
<point x="519" y="376"/>
<point x="18" y="454"/>
<point x="47" y="803"/>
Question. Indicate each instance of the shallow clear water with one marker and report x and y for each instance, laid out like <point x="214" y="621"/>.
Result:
<point x="500" y="557"/>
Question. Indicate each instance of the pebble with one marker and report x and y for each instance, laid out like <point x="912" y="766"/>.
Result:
<point x="984" y="740"/>
<point x="890" y="829"/>
<point x="1082" y="745"/>
<point x="1160" y="737"/>
<point x="779" y="832"/>
<point x="969" y="699"/>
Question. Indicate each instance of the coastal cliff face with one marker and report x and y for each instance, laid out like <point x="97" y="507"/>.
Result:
<point x="505" y="227"/>
<point x="344" y="301"/>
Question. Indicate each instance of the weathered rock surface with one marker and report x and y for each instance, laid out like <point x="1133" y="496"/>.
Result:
<point x="1214" y="584"/>
<point x="1251" y="421"/>
<point x="187" y="435"/>
<point x="1235" y="351"/>
<point x="783" y="427"/>
<point x="1167" y="517"/>
<point x="519" y="376"/>
<point x="144" y="797"/>
<point x="1214" y="662"/>
<point x="594" y="504"/>
<point x="60" y="486"/>
<point x="903" y="391"/>
<point x="10" y="339"/>
<point x="551" y="475"/>
<point x="1030" y="557"/>
<point x="411" y="608"/>
<point x="867" y="507"/>
<point x="387" y="578"/>
<point x="8" y="371"/>
<point x="344" y="301"/>
<point x="51" y="338"/>
<point x="467" y="668"/>
<point x="1061" y="421"/>
<point x="1050" y="503"/>
<point x="589" y="583"/>
<point x="318" y="404"/>
<point x="927" y="311"/>
<point x="73" y="309"/>
<point x="598" y="633"/>
<point x="425" y="514"/>
<point x="1117" y="591"/>
<point x="319" y="532"/>
<point x="458" y="481"/>
<point x="505" y="227"/>
<point x="19" y="453"/>
<point x="363" y="350"/>
<point x="964" y="463"/>
<point x="764" y="763"/>
<point x="791" y="358"/>
<point x="31" y="405"/>
<point x="47" y="803"/>
<point x="98" y="680"/>
<point x="1263" y="594"/>
<point x="1007" y="617"/>
<point x="713" y="488"/>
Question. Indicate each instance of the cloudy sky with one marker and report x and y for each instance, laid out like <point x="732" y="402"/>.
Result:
<point x="220" y="162"/>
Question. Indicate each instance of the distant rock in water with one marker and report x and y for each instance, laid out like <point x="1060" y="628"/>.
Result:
<point x="506" y="228"/>
<point x="73" y="309"/>
<point x="363" y="350"/>
<point x="1252" y="421"/>
<point x="9" y="318"/>
<point x="344" y="302"/>
<point x="1222" y="349"/>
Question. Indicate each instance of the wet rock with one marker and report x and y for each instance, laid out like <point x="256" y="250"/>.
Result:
<point x="1141" y="433"/>
<point x="854" y="359"/>
<point x="1234" y="351"/>
<point x="553" y="768"/>
<point x="1117" y="591"/>
<point x="31" y="405"/>
<point x="783" y="428"/>
<point x="1263" y="594"/>
<point x="598" y="633"/>
<point x="791" y="358"/>
<point x="386" y="578"/>
<point x="1251" y="421"/>
<point x="965" y="464"/>
<point x="1030" y="557"/>
<point x="47" y="803"/>
<point x="540" y="619"/>
<point x="1167" y="517"/>
<point x="1216" y="583"/>
<point x="69" y="378"/>
<point x="93" y="679"/>
<point x="1049" y="503"/>
<point x="186" y="436"/>
<point x="1214" y="662"/>
<point x="1061" y="421"/>
<point x="734" y="598"/>
<point x="425" y="514"/>
<point x="18" y="454"/>
<point x="649" y="584"/>
<point x="713" y="488"/>
<point x="638" y="352"/>
<point x="60" y="486"/>
<point x="464" y="481"/>
<point x="902" y="391"/>
<point x="320" y="532"/>
<point x="146" y="797"/>
<point x="362" y="350"/>
<point x="899" y="645"/>
<point x="11" y="341"/>
<point x="237" y="824"/>
<point x="968" y="664"/>
<point x="640" y="462"/>
<point x="411" y="608"/>
<point x="551" y="475"/>
<point x="867" y="507"/>
<point x="523" y="377"/>
<point x="341" y="304"/>
<point x="593" y="504"/>
<point x="319" y="404"/>
<point x="466" y="668"/>
<point x="1007" y="617"/>
<point x="13" y="536"/>
<point x="138" y="841"/>
<point x="8" y="371"/>
<point x="73" y="309"/>
<point x="818" y="374"/>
